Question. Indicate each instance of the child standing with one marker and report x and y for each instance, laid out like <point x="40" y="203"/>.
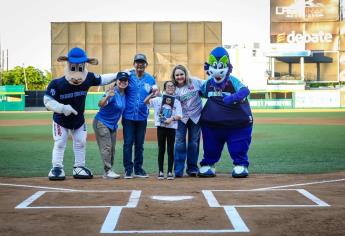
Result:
<point x="167" y="111"/>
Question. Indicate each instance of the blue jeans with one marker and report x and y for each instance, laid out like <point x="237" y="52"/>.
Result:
<point x="133" y="133"/>
<point x="182" y="152"/>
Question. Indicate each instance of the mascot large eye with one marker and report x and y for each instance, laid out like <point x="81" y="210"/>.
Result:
<point x="73" y="67"/>
<point x="214" y="65"/>
<point x="81" y="67"/>
<point x="221" y="65"/>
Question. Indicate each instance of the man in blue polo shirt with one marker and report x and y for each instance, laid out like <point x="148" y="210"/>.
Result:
<point x="134" y="118"/>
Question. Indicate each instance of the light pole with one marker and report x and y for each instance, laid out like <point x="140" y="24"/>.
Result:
<point x="26" y="83"/>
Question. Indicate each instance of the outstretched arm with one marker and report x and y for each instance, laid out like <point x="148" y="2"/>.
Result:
<point x="108" y="78"/>
<point x="52" y="105"/>
<point x="237" y="97"/>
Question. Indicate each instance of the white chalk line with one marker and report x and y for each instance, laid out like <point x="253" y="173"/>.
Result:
<point x="171" y="198"/>
<point x="112" y="218"/>
<point x="39" y="187"/>
<point x="301" y="184"/>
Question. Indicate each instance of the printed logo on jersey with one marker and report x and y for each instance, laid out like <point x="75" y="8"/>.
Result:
<point x="72" y="95"/>
<point x="52" y="92"/>
<point x="147" y="87"/>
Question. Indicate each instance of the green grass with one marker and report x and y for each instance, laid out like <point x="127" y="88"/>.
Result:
<point x="276" y="148"/>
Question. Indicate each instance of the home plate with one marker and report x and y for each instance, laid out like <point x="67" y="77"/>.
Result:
<point x="171" y="198"/>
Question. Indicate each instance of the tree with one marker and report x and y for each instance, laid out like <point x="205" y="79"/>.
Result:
<point x="35" y="78"/>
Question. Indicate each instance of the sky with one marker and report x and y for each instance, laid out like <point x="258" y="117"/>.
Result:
<point x="25" y="24"/>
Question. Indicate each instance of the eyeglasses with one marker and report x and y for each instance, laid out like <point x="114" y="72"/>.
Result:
<point x="170" y="86"/>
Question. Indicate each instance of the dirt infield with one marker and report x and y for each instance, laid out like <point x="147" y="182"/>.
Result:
<point x="258" y="205"/>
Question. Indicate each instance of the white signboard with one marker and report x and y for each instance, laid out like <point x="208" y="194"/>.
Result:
<point x="271" y="103"/>
<point x="317" y="99"/>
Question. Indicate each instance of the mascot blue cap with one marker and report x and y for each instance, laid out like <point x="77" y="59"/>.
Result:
<point x="219" y="52"/>
<point x="77" y="56"/>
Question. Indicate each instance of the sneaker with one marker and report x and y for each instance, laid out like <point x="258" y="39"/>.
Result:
<point x="160" y="175"/>
<point x="170" y="176"/>
<point x="192" y="173"/>
<point x="240" y="172"/>
<point x="56" y="173"/>
<point x="110" y="175"/>
<point x="141" y="174"/>
<point x="128" y="175"/>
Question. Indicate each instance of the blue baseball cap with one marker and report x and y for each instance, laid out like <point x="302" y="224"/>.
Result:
<point x="77" y="55"/>
<point x="122" y="75"/>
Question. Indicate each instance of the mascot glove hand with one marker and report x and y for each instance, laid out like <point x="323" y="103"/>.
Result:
<point x="229" y="99"/>
<point x="68" y="110"/>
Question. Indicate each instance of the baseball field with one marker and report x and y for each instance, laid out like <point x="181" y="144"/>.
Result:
<point x="296" y="184"/>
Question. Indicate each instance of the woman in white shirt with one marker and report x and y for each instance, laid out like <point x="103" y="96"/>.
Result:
<point x="187" y="92"/>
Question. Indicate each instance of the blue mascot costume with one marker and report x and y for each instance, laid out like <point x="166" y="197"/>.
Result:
<point x="225" y="118"/>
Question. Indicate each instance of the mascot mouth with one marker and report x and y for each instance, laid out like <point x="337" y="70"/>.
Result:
<point x="76" y="81"/>
<point x="218" y="78"/>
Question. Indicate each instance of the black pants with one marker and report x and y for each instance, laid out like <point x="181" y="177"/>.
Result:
<point x="165" y="135"/>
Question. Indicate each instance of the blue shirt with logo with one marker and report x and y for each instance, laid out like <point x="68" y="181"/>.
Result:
<point x="74" y="95"/>
<point x="216" y="113"/>
<point x="110" y="114"/>
<point x="136" y="92"/>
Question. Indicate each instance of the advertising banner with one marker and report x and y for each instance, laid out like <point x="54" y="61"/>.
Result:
<point x="304" y="10"/>
<point x="322" y="36"/>
<point x="317" y="99"/>
<point x="315" y="36"/>
<point x="272" y="103"/>
<point x="285" y="32"/>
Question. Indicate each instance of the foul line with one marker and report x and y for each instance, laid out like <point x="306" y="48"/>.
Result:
<point x="303" y="184"/>
<point x="39" y="187"/>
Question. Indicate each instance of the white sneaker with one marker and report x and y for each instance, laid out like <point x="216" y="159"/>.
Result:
<point x="110" y="175"/>
<point x="160" y="175"/>
<point x="170" y="176"/>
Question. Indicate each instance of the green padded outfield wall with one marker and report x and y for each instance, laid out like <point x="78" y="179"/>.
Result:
<point x="12" y="98"/>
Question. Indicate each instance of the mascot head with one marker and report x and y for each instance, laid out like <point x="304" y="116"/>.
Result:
<point x="218" y="66"/>
<point x="75" y="70"/>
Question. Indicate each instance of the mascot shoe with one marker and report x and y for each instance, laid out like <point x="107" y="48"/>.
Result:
<point x="240" y="172"/>
<point x="82" y="172"/>
<point x="56" y="173"/>
<point x="207" y="171"/>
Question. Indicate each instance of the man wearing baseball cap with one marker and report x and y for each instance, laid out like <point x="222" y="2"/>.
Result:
<point x="134" y="119"/>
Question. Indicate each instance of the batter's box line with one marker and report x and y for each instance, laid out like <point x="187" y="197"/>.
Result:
<point x="110" y="224"/>
<point x="132" y="201"/>
<point x="213" y="202"/>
